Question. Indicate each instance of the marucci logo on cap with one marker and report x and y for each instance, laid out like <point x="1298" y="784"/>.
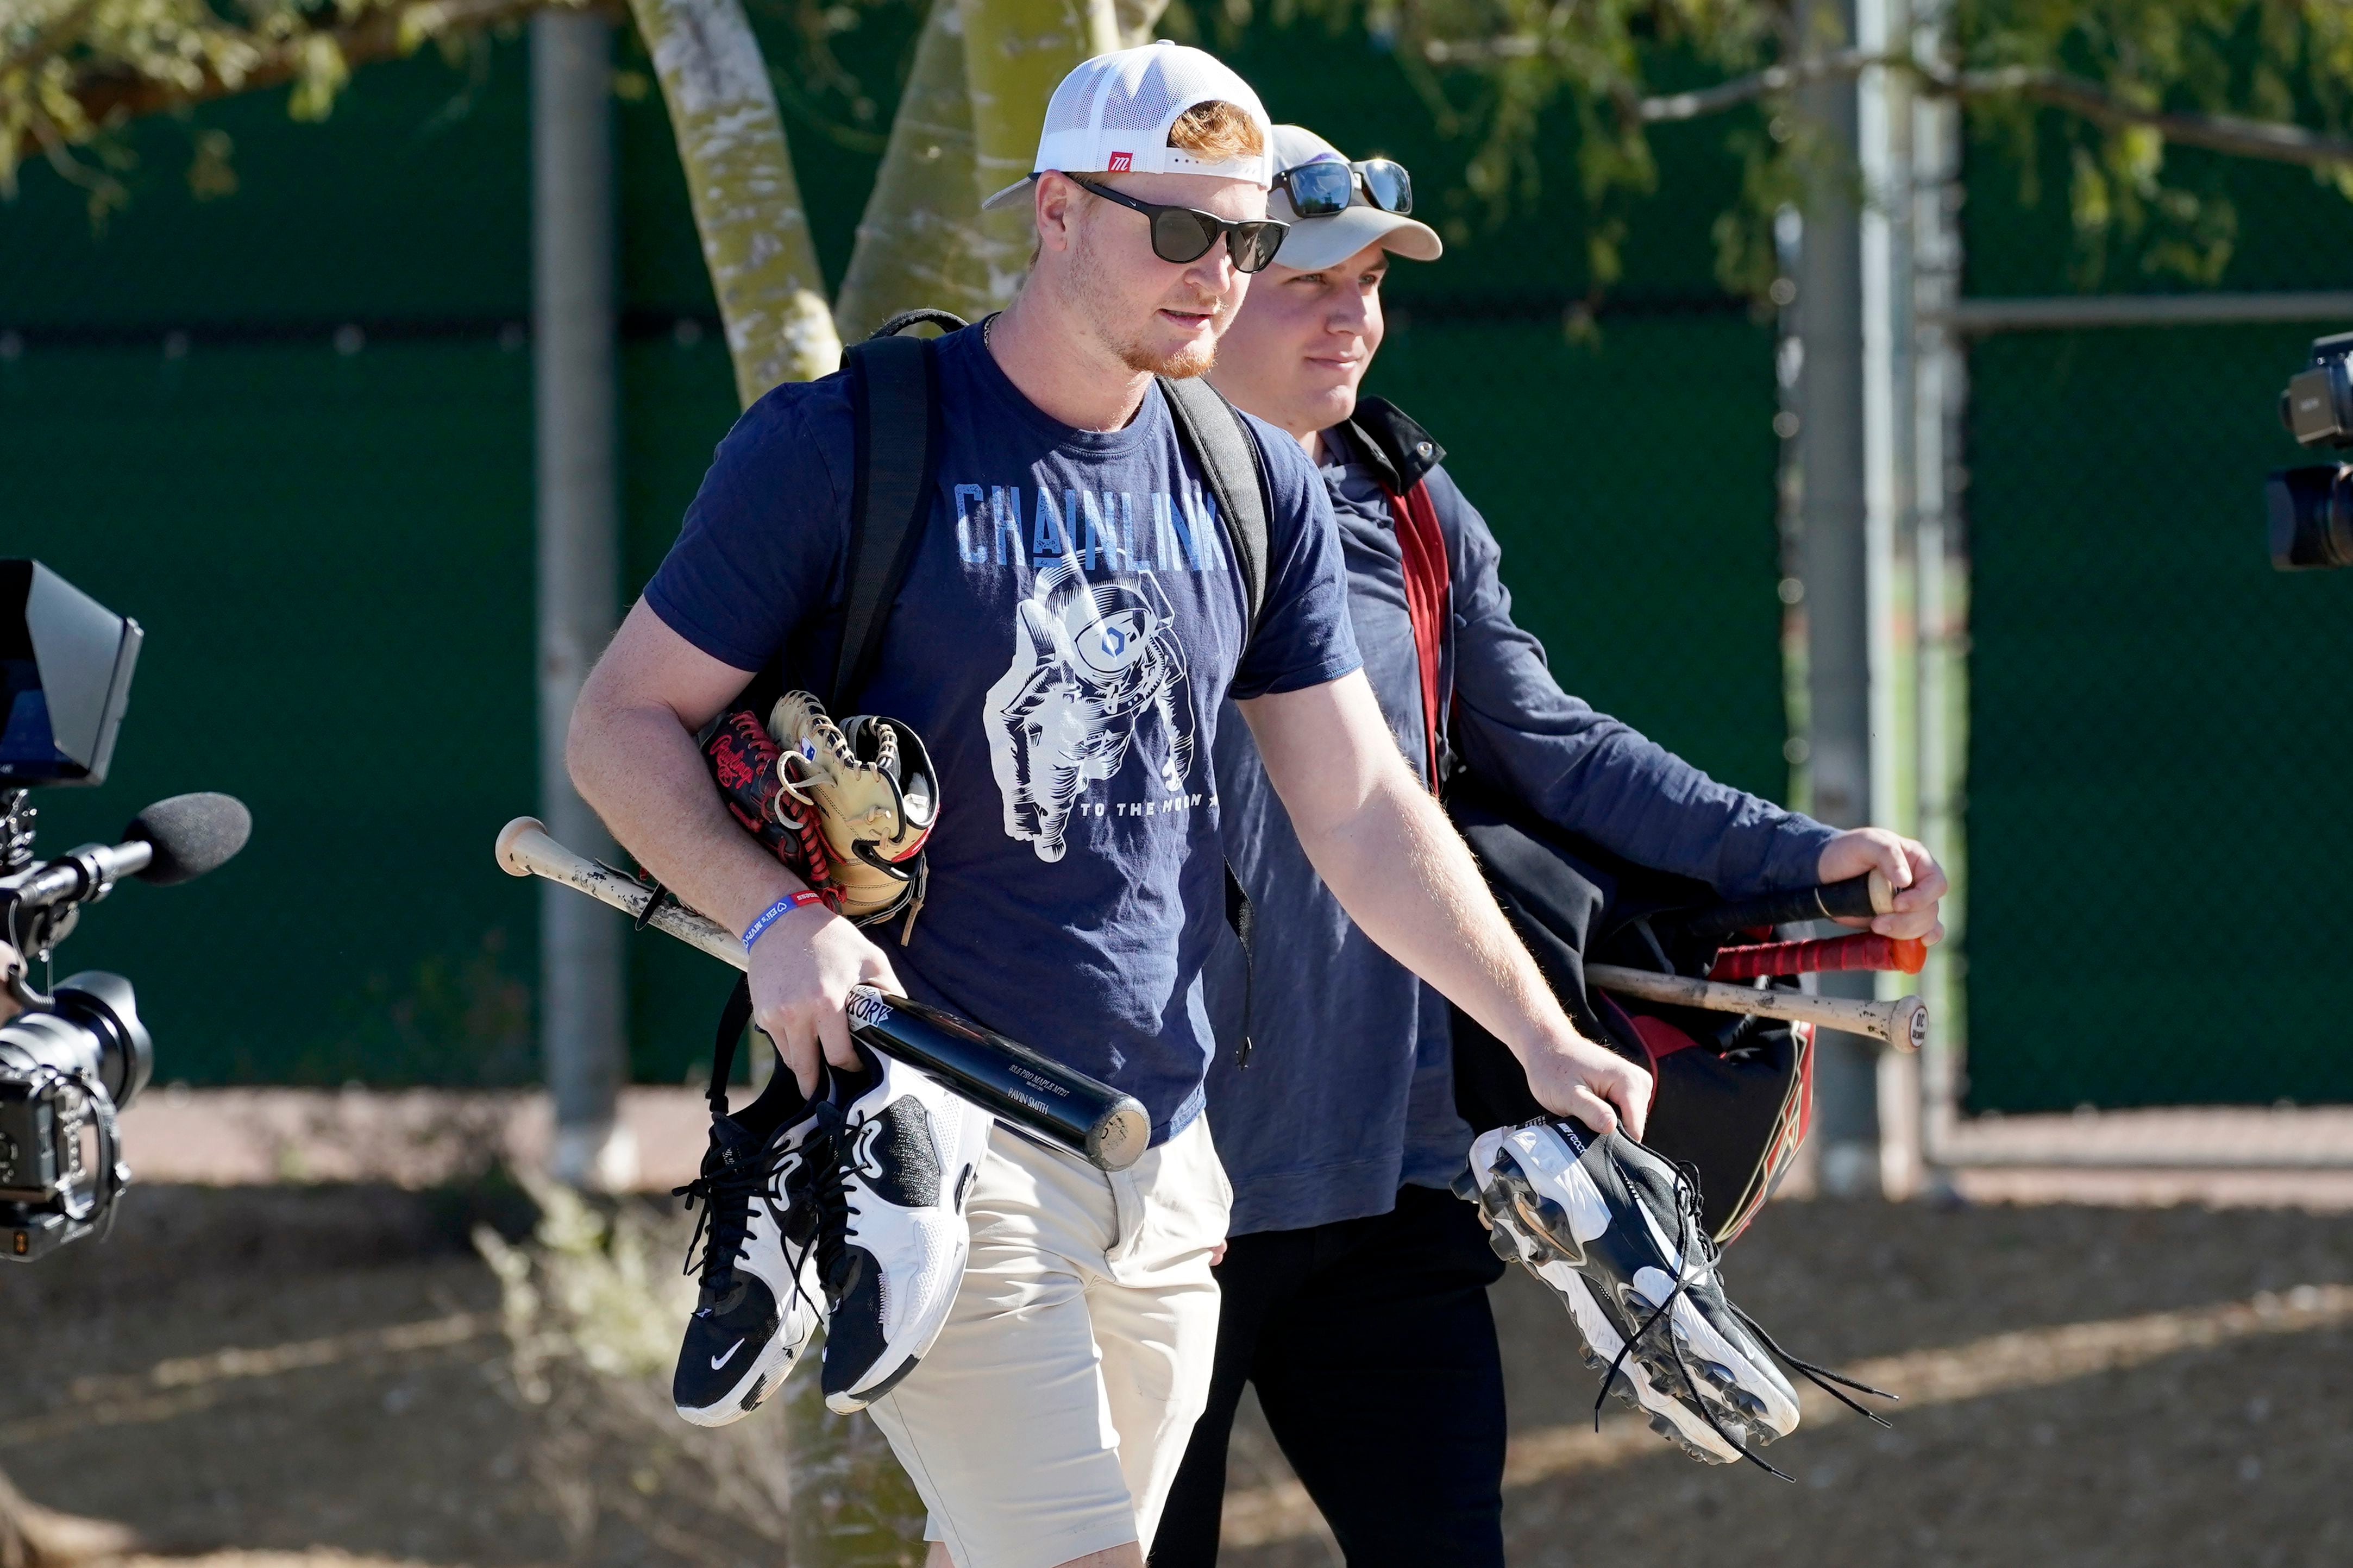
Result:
<point x="1121" y="162"/>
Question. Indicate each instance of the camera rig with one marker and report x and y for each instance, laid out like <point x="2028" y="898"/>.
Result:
<point x="75" y="1055"/>
<point x="2311" y="507"/>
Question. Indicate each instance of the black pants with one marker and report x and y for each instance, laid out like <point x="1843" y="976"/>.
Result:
<point x="1373" y="1350"/>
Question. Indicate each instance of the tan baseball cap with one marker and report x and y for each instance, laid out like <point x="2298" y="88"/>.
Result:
<point x="1319" y="242"/>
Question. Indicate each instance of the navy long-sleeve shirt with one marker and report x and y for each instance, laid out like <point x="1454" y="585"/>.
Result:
<point x="1348" y="1093"/>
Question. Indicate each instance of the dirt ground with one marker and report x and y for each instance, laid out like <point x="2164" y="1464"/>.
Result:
<point x="322" y="1370"/>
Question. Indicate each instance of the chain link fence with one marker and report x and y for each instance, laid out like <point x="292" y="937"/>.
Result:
<point x="2157" y="729"/>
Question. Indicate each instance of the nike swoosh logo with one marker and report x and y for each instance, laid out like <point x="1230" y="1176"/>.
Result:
<point x="719" y="1361"/>
<point x="1660" y="1237"/>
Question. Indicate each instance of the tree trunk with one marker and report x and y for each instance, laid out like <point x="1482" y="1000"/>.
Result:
<point x="1015" y="51"/>
<point x="919" y="243"/>
<point x="1137" y="20"/>
<point x="747" y="205"/>
<point x="33" y="1537"/>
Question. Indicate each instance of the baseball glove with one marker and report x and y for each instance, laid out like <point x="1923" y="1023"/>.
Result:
<point x="846" y="806"/>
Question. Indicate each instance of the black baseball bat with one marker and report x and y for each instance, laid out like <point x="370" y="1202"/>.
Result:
<point x="1856" y="897"/>
<point x="1058" y="1103"/>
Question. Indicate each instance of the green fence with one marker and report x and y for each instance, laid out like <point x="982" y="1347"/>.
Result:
<point x="2160" y="730"/>
<point x="331" y="556"/>
<point x="291" y="432"/>
<point x="2157" y="720"/>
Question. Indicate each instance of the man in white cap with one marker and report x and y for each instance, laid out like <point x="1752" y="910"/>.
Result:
<point x="1076" y="873"/>
<point x="1355" y="1288"/>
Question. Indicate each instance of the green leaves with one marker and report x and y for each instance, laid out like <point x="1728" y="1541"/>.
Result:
<point x="2128" y="80"/>
<point x="73" y="70"/>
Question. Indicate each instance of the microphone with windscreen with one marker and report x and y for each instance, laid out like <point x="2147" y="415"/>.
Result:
<point x="172" y="841"/>
<point x="188" y="836"/>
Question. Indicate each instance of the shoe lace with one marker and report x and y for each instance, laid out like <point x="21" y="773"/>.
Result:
<point x="829" y="1193"/>
<point x="722" y="1229"/>
<point x="1692" y="1238"/>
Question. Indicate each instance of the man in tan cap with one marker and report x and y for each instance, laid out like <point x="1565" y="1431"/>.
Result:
<point x="1354" y="1285"/>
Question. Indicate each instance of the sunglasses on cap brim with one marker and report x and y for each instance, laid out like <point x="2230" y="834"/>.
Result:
<point x="1328" y="187"/>
<point x="1184" y="234"/>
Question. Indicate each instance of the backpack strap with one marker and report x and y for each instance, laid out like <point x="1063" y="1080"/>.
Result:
<point x="894" y="414"/>
<point x="1213" y="432"/>
<point x="1429" y="589"/>
<point x="895" y="400"/>
<point x="1402" y="455"/>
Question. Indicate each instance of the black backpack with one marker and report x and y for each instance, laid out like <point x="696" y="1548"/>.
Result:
<point x="894" y="399"/>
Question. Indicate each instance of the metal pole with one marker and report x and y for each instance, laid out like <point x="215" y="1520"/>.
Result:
<point x="1941" y="565"/>
<point x="581" y="1006"/>
<point x="1832" y="556"/>
<point x="1883" y="137"/>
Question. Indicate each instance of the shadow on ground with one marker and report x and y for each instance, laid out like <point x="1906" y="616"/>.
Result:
<point x="291" y="1369"/>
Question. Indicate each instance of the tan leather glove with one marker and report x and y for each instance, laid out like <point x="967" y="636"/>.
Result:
<point x="874" y="796"/>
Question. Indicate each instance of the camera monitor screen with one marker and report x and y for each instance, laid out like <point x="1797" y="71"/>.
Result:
<point x="66" y="663"/>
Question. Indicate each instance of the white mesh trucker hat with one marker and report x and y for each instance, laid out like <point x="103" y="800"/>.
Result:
<point x="1315" y="243"/>
<point x="1112" y="115"/>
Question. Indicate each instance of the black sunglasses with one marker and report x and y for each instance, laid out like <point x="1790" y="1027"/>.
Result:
<point x="1186" y="234"/>
<point x="1327" y="186"/>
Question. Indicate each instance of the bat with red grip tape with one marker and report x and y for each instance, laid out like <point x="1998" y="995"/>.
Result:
<point x="1864" y="950"/>
<point x="1033" y="1092"/>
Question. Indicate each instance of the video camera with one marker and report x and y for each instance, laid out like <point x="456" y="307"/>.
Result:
<point x="75" y="1055"/>
<point x="2312" y="507"/>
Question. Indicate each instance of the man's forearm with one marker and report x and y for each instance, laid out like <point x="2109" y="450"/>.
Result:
<point x="1429" y="908"/>
<point x="638" y="769"/>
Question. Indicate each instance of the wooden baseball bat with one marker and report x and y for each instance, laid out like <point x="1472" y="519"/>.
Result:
<point x="1039" y="1094"/>
<point x="1903" y="1023"/>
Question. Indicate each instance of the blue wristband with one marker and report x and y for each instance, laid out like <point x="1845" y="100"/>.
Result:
<point x="775" y="912"/>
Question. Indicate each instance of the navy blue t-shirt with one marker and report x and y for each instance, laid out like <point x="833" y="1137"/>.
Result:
<point x="1068" y="628"/>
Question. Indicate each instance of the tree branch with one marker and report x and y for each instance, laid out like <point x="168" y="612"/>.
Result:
<point x="1743" y="90"/>
<point x="2273" y="140"/>
<point x="2276" y="140"/>
<point x="111" y="97"/>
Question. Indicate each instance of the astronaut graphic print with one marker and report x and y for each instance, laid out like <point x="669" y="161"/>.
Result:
<point x="1098" y="670"/>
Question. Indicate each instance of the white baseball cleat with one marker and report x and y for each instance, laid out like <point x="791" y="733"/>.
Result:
<point x="1615" y="1229"/>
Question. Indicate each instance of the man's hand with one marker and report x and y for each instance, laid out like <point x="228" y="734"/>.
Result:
<point x="802" y="969"/>
<point x="1571" y="1075"/>
<point x="1919" y="881"/>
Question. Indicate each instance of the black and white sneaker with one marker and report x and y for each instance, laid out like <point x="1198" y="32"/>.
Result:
<point x="1615" y="1229"/>
<point x="760" y="1303"/>
<point x="892" y="1237"/>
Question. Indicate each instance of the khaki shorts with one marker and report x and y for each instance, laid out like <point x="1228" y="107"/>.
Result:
<point x="1050" y="1417"/>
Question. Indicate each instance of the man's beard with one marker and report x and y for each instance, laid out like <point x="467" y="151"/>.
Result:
<point x="1103" y="305"/>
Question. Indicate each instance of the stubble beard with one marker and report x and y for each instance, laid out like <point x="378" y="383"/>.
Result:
<point x="1101" y="304"/>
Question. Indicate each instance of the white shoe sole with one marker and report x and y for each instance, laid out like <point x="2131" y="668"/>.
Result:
<point x="1670" y="1417"/>
<point x="760" y="1382"/>
<point x="1725" y="1377"/>
<point x="916" y="1338"/>
<point x="1544" y="1200"/>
